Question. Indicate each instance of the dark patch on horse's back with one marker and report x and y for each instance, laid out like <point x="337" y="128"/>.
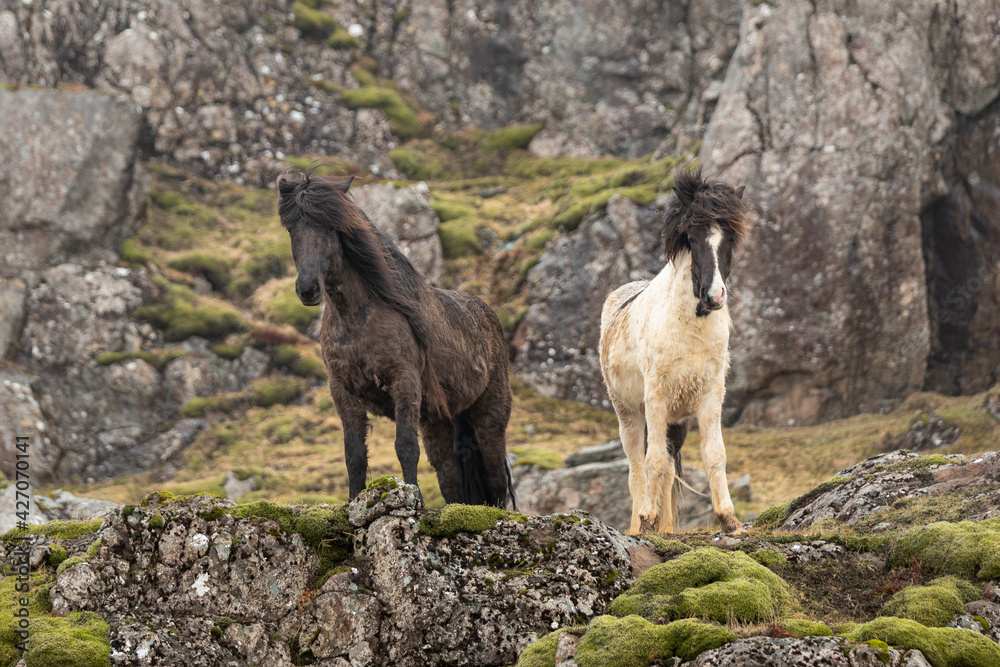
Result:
<point x="629" y="300"/>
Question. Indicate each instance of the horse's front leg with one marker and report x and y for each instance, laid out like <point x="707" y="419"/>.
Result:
<point x="713" y="457"/>
<point x="406" y="395"/>
<point x="354" y="417"/>
<point x="632" y="428"/>
<point x="659" y="467"/>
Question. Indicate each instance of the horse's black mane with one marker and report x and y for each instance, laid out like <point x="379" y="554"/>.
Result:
<point x="387" y="275"/>
<point x="700" y="202"/>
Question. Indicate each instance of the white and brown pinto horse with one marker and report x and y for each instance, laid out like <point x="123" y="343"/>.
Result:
<point x="665" y="353"/>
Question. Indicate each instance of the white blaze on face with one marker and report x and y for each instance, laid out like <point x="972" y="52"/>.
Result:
<point x="717" y="290"/>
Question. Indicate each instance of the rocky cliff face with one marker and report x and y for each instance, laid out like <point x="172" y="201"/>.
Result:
<point x="872" y="267"/>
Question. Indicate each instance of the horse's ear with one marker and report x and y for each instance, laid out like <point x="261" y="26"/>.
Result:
<point x="739" y="191"/>
<point x="684" y="199"/>
<point x="344" y="185"/>
<point x="287" y="184"/>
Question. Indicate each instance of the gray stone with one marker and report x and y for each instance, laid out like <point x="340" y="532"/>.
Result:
<point x="609" y="451"/>
<point x="236" y="487"/>
<point x="71" y="178"/>
<point x="12" y="295"/>
<point x="61" y="505"/>
<point x="803" y="652"/>
<point x="990" y="612"/>
<point x="602" y="490"/>
<point x="407" y="218"/>
<point x="395" y="498"/>
<point x="22" y="416"/>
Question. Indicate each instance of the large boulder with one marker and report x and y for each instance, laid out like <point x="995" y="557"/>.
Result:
<point x="405" y="216"/>
<point x="71" y="181"/>
<point x="867" y="138"/>
<point x="556" y="344"/>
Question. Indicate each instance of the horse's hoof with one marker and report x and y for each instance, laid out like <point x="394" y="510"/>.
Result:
<point x="647" y="525"/>
<point x="731" y="524"/>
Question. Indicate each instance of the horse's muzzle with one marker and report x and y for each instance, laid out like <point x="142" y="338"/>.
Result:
<point x="311" y="295"/>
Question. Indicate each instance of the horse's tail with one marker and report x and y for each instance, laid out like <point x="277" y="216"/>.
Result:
<point x="676" y="433"/>
<point x="474" y="487"/>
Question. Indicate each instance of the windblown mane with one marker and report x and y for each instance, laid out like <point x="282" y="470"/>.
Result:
<point x="701" y="202"/>
<point x="387" y="275"/>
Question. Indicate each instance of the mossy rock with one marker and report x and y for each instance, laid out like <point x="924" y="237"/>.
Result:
<point x="263" y="509"/>
<point x="769" y="557"/>
<point x="57" y="555"/>
<point x="341" y="39"/>
<point x="57" y="530"/>
<point x="131" y="252"/>
<point x="181" y="314"/>
<point x="420" y="165"/>
<point x="666" y="547"/>
<point x="802" y="627"/>
<point x="385" y="483"/>
<point x="542" y="652"/>
<point x="943" y="647"/>
<point x="275" y="392"/>
<point x="205" y="265"/>
<point x="510" y="138"/>
<point x="158" y="359"/>
<point x="199" y="406"/>
<point x="329" y="532"/>
<point x="289" y="358"/>
<point x="460" y="238"/>
<point x="313" y="23"/>
<point x="935" y="604"/>
<point x="635" y="642"/>
<point x="228" y="351"/>
<point x="773" y="517"/>
<point x="966" y="549"/>
<point x="545" y="459"/>
<point x="402" y="119"/>
<point x="706" y="583"/>
<point x="454" y="519"/>
<point x="286" y="308"/>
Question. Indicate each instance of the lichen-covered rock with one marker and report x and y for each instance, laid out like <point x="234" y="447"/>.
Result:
<point x="386" y="495"/>
<point x="481" y="598"/>
<point x="12" y="295"/>
<point x="21" y="415"/>
<point x="866" y="494"/>
<point x="71" y="176"/>
<point x="985" y="617"/>
<point x="859" y="131"/>
<point x="806" y="652"/>
<point x="406" y="217"/>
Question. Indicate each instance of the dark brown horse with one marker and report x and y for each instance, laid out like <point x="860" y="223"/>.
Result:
<point x="394" y="345"/>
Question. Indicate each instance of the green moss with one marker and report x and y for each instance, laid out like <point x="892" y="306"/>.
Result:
<point x="214" y="514"/>
<point x="275" y="392"/>
<point x="402" y="119"/>
<point x="935" y="604"/>
<point x="313" y="23"/>
<point x="774" y="517"/>
<point x="666" y="548"/>
<point x="801" y="627"/>
<point x="341" y="39"/>
<point x="198" y="263"/>
<point x="228" y="351"/>
<point x="199" y="406"/>
<point x="966" y="549"/>
<point x="450" y="209"/>
<point x="706" y="583"/>
<point x="286" y="308"/>
<point x="454" y="519"/>
<point x="545" y="459"/>
<point x="57" y="555"/>
<point x="943" y="647"/>
<point x="635" y="642"/>
<point x="263" y="509"/>
<point x="131" y="252"/>
<point x="157" y="521"/>
<point x="385" y="483"/>
<point x="93" y="548"/>
<point x="157" y="359"/>
<point x="68" y="563"/>
<point x="769" y="557"/>
<point x="156" y="498"/>
<point x="181" y="315"/>
<point x="57" y="530"/>
<point x="419" y="165"/>
<point x="329" y="532"/>
<point x="79" y="639"/>
<point x="364" y="78"/>
<point x="542" y="653"/>
<point x="289" y="358"/>
<point x="167" y="199"/>
<point x="510" y="138"/>
<point x="460" y="238"/>
<point x="576" y="210"/>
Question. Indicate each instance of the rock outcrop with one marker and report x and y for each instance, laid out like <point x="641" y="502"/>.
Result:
<point x="71" y="179"/>
<point x="198" y="580"/>
<point x="867" y="138"/>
